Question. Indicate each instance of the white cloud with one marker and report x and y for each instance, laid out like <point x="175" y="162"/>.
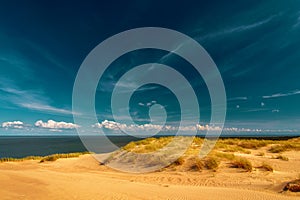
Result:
<point x="148" y="104"/>
<point x="282" y="94"/>
<point x="30" y="99"/>
<point x="55" y="125"/>
<point x="14" y="124"/>
<point x="115" y="126"/>
<point x="237" y="29"/>
<point x="237" y="98"/>
<point x="47" y="108"/>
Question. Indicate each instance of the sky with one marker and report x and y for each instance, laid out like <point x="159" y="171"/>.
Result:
<point x="254" y="44"/>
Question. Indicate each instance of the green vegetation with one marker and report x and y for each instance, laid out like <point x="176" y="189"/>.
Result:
<point x="225" y="151"/>
<point x="20" y="159"/>
<point x="284" y="147"/>
<point x="227" y="156"/>
<point x="53" y="157"/>
<point x="147" y="145"/>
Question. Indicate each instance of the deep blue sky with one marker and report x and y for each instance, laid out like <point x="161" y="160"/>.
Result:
<point x="255" y="44"/>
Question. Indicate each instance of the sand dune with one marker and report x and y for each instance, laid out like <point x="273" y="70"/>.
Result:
<point x="84" y="178"/>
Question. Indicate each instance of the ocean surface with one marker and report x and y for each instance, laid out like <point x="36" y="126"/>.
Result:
<point x="22" y="146"/>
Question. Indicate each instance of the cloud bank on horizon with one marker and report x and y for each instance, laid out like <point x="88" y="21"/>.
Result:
<point x="114" y="128"/>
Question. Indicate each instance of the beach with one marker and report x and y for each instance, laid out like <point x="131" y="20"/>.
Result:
<point x="85" y="178"/>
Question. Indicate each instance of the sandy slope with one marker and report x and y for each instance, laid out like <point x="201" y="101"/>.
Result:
<point x="84" y="178"/>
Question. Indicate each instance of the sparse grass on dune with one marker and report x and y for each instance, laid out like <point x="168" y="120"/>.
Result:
<point x="281" y="157"/>
<point x="242" y="163"/>
<point x="147" y="145"/>
<point x="9" y="159"/>
<point x="266" y="167"/>
<point x="224" y="151"/>
<point x="211" y="163"/>
<point x="53" y="157"/>
<point x="226" y="156"/>
<point x="179" y="161"/>
<point x="260" y="154"/>
<point x="226" y="145"/>
<point x="195" y="164"/>
<point x="285" y="147"/>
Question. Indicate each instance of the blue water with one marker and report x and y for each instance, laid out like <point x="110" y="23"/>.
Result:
<point x="22" y="146"/>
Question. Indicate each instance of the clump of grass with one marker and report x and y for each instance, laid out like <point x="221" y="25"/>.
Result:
<point x="242" y="163"/>
<point x="284" y="147"/>
<point x="267" y="167"/>
<point x="281" y="157"/>
<point x="54" y="157"/>
<point x="211" y="163"/>
<point x="147" y="145"/>
<point x="198" y="141"/>
<point x="227" y="156"/>
<point x="7" y="159"/>
<point x="195" y="164"/>
<point x="278" y="149"/>
<point x="179" y="161"/>
<point x="252" y="144"/>
<point x="260" y="154"/>
<point x="236" y="149"/>
<point x="45" y="158"/>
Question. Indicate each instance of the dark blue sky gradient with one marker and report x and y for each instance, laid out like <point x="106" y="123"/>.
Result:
<point x="255" y="44"/>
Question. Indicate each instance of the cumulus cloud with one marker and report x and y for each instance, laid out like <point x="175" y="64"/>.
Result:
<point x="118" y="126"/>
<point x="115" y="126"/>
<point x="51" y="124"/>
<point x="13" y="124"/>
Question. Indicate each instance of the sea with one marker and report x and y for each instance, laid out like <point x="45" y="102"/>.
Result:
<point x="22" y="146"/>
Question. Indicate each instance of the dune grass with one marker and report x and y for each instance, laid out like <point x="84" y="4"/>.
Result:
<point x="196" y="164"/>
<point x="223" y="151"/>
<point x="284" y="147"/>
<point x="9" y="159"/>
<point x="242" y="163"/>
<point x="147" y="145"/>
<point x="53" y="157"/>
<point x="281" y="157"/>
<point x="260" y="154"/>
<point x="211" y="163"/>
<point x="226" y="156"/>
<point x="266" y="167"/>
